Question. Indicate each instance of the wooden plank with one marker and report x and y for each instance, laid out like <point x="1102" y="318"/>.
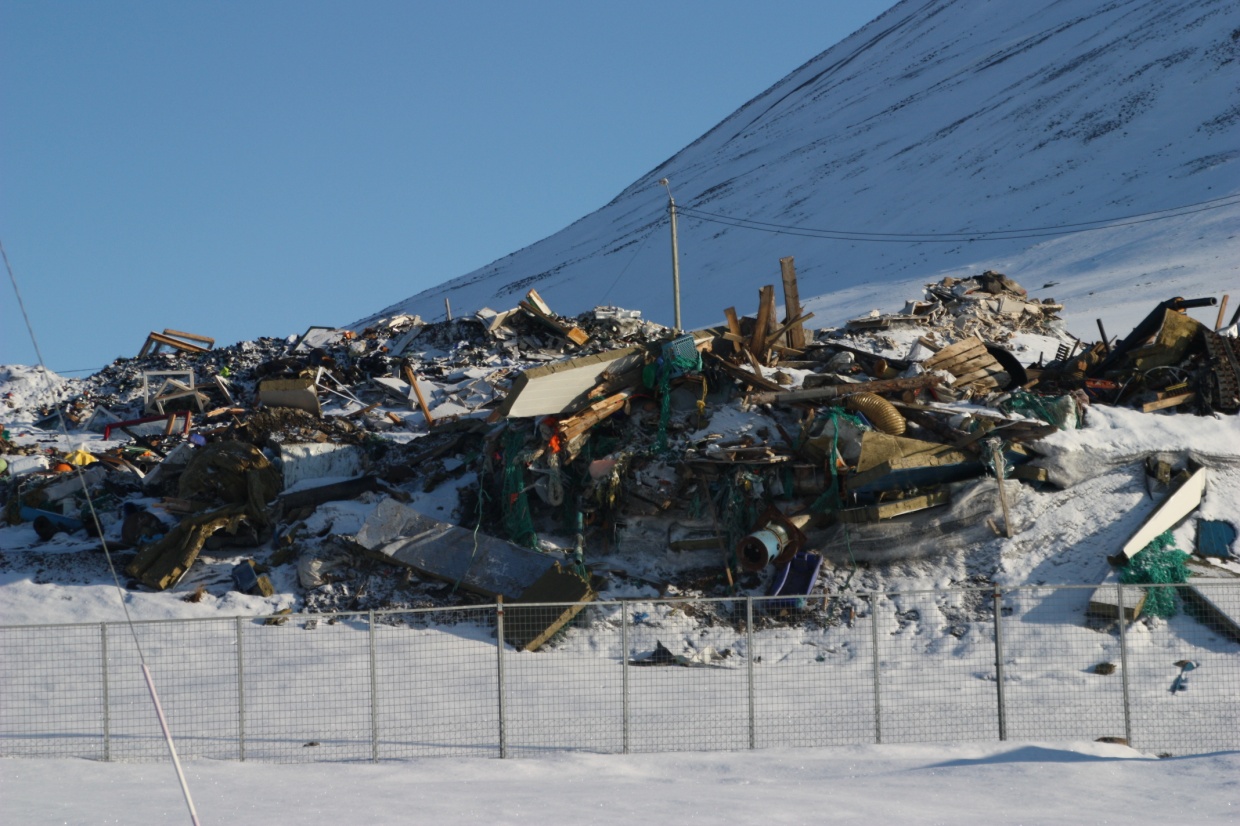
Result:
<point x="1104" y="602"/>
<point x="890" y="510"/>
<point x="970" y="362"/>
<point x="766" y="303"/>
<point x="210" y="342"/>
<point x="155" y="339"/>
<point x="978" y="376"/>
<point x="834" y="391"/>
<point x="962" y="346"/>
<point x="794" y="324"/>
<point x="407" y="370"/>
<point x="537" y="300"/>
<point x="1172" y="401"/>
<point x="963" y="363"/>
<point x="754" y="363"/>
<point x="734" y="323"/>
<point x="792" y="302"/>
<point x="743" y="375"/>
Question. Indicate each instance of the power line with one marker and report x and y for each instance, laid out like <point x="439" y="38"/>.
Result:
<point x="960" y="237"/>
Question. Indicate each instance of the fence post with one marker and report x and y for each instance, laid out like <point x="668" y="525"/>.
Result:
<point x="499" y="648"/>
<point x="878" y="703"/>
<point x="240" y="693"/>
<point x="749" y="647"/>
<point x="998" y="597"/>
<point x="1123" y="660"/>
<point x="374" y="695"/>
<point x="624" y="672"/>
<point x="107" y="712"/>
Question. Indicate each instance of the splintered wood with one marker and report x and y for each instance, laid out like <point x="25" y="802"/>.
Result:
<point x="971" y="364"/>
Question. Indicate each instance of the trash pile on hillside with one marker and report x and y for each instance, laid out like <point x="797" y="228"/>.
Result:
<point x="754" y="445"/>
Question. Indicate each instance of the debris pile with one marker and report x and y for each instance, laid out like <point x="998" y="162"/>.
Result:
<point x="753" y="457"/>
<point x="991" y="306"/>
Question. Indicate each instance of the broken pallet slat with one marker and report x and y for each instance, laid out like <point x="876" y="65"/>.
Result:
<point x="957" y="363"/>
<point x="794" y="324"/>
<point x="890" y="510"/>
<point x="951" y="351"/>
<point x="1171" y="401"/>
<point x="968" y="363"/>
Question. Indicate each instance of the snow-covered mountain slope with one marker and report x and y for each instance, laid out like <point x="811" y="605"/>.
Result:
<point x="947" y="116"/>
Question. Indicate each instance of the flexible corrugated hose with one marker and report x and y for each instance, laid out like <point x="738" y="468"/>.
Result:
<point x="881" y="413"/>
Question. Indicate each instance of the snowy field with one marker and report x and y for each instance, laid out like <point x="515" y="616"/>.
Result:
<point x="995" y="783"/>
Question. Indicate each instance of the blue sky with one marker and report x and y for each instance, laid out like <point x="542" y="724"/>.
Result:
<point x="247" y="169"/>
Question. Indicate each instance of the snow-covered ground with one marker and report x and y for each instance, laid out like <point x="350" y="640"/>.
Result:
<point x="1001" y="783"/>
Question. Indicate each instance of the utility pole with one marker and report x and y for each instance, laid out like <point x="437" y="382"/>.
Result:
<point x="671" y="211"/>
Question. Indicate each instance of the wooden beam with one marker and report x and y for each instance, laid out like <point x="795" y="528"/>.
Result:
<point x="210" y="342"/>
<point x="792" y="302"/>
<point x="1171" y="401"/>
<point x="413" y="382"/>
<point x="766" y="303"/>
<point x="743" y="375"/>
<point x="788" y="327"/>
<point x="835" y="391"/>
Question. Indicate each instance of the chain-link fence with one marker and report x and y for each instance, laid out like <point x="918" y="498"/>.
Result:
<point x="1029" y="663"/>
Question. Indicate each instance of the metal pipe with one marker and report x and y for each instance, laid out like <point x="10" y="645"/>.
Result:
<point x="499" y="647"/>
<point x="374" y="695"/>
<point x="998" y="607"/>
<point x="240" y="693"/>
<point x="749" y="665"/>
<point x="878" y="703"/>
<point x="1123" y="661"/>
<point x="624" y="672"/>
<point x="107" y="712"/>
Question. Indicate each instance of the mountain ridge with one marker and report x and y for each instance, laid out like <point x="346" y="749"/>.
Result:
<point x="948" y="116"/>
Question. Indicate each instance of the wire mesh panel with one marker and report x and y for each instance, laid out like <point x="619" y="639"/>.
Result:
<point x="1062" y="668"/>
<point x="437" y="691"/>
<point x="1184" y="670"/>
<point x="813" y="673"/>
<point x="688" y="676"/>
<point x="569" y="693"/>
<point x="308" y="688"/>
<point x="641" y="676"/>
<point x="193" y="665"/>
<point x="936" y="674"/>
<point x="51" y="692"/>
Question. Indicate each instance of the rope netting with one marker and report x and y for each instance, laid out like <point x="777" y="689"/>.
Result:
<point x="1158" y="563"/>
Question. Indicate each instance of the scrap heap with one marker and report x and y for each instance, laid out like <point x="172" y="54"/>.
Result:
<point x="600" y="438"/>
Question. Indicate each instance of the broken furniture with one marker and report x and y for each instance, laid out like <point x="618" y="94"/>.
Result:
<point x="177" y="340"/>
<point x="176" y="384"/>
